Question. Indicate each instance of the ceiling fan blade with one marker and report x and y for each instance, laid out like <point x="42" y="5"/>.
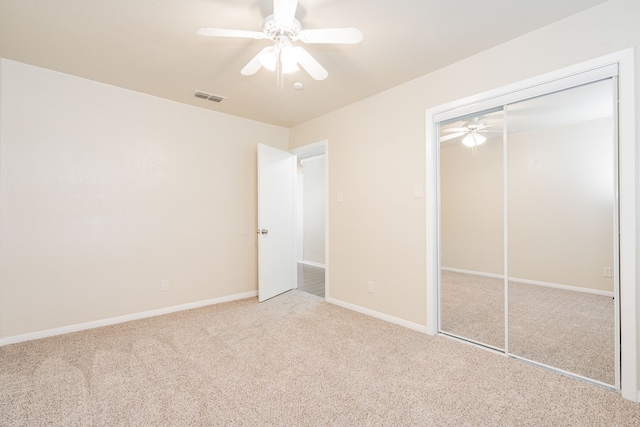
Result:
<point x="489" y="125"/>
<point x="452" y="136"/>
<point x="220" y="32"/>
<point x="455" y="130"/>
<point x="284" y="12"/>
<point x="310" y="64"/>
<point x="254" y="65"/>
<point x="347" y="35"/>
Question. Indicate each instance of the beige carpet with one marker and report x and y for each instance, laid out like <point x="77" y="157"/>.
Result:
<point x="291" y="361"/>
<point x="573" y="331"/>
<point x="473" y="307"/>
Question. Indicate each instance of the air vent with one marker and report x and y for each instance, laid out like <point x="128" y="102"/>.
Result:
<point x="208" y="96"/>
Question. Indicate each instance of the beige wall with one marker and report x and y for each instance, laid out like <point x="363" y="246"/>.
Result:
<point x="472" y="207"/>
<point x="378" y="232"/>
<point x="561" y="205"/>
<point x="105" y="192"/>
<point x="560" y="211"/>
<point x="378" y="154"/>
<point x="314" y="209"/>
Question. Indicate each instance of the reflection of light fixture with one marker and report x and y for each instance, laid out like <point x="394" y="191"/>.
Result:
<point x="473" y="139"/>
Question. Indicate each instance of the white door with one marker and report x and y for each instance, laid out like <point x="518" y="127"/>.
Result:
<point x="276" y="232"/>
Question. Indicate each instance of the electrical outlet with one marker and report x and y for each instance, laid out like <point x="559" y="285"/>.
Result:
<point x="164" y="286"/>
<point x="370" y="287"/>
<point x="606" y="271"/>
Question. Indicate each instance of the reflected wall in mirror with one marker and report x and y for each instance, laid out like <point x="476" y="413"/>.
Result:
<point x="561" y="206"/>
<point x="472" y="229"/>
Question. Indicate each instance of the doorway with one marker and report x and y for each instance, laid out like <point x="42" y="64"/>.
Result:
<point x="311" y="218"/>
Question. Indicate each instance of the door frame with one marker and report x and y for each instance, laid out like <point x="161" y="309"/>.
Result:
<point x="297" y="151"/>
<point x="627" y="201"/>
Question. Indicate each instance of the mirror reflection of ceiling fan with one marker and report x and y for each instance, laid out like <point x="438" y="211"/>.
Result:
<point x="472" y="132"/>
<point x="283" y="29"/>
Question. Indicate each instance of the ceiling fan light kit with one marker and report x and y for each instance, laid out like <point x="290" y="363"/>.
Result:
<point x="284" y="29"/>
<point x="471" y="133"/>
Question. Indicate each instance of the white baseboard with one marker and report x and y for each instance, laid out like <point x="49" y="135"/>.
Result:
<point x="565" y="287"/>
<point x="311" y="263"/>
<point x="120" y="319"/>
<point x="378" y="315"/>
<point x="534" y="282"/>
<point x="475" y="273"/>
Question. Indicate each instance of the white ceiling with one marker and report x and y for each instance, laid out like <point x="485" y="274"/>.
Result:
<point x="151" y="46"/>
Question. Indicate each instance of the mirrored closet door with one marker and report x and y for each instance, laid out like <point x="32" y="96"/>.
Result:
<point x="561" y="210"/>
<point x="471" y="228"/>
<point x="528" y="241"/>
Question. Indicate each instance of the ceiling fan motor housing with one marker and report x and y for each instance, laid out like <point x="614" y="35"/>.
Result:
<point x="272" y="29"/>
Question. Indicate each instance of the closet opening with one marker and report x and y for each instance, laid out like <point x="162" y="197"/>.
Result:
<point x="532" y="240"/>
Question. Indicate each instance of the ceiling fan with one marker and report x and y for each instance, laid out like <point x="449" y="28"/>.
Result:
<point x="472" y="132"/>
<point x="283" y="29"/>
